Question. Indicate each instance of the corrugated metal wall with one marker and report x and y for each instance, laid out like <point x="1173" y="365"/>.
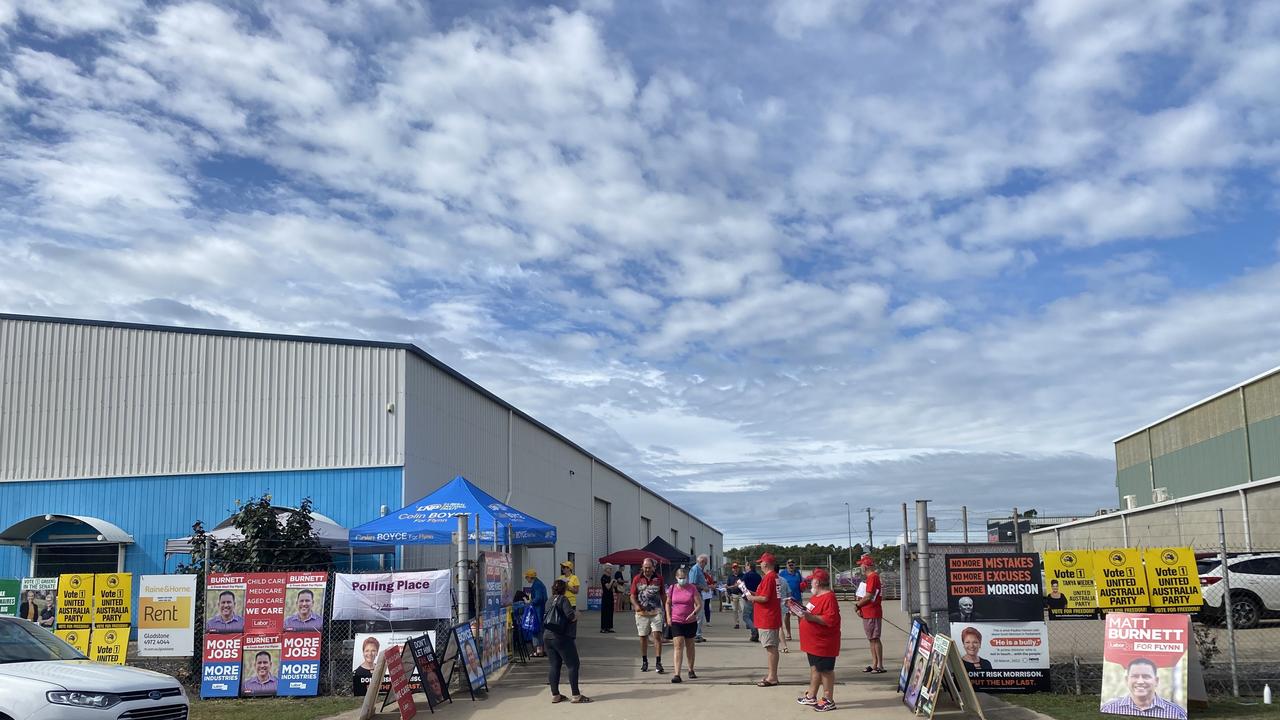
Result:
<point x="1205" y="422"/>
<point x="1132" y="451"/>
<point x="1191" y="523"/>
<point x="93" y="401"/>
<point x="453" y="429"/>
<point x="1233" y="438"/>
<point x="155" y="508"/>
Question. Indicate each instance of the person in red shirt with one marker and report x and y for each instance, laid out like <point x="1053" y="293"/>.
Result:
<point x="820" y="640"/>
<point x="768" y="616"/>
<point x="872" y="614"/>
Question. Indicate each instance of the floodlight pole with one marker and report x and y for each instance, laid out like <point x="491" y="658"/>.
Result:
<point x="464" y="589"/>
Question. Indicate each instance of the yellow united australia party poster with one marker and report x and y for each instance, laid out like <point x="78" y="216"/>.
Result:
<point x="1070" y="591"/>
<point x="1173" y="583"/>
<point x="109" y="645"/>
<point x="75" y="602"/>
<point x="1121" y="580"/>
<point x="112" y="593"/>
<point x="78" y="639"/>
<point x="166" y="615"/>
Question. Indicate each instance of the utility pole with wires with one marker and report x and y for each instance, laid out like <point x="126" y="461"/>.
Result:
<point x="871" y="543"/>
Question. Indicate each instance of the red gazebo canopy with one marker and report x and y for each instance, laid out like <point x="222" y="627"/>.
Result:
<point x="632" y="557"/>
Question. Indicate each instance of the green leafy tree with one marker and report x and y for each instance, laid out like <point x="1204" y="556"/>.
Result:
<point x="266" y="544"/>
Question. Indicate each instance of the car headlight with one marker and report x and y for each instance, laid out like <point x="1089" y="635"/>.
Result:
<point x="82" y="699"/>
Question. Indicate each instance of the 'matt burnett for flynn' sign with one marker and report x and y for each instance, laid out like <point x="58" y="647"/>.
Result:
<point x="393" y="596"/>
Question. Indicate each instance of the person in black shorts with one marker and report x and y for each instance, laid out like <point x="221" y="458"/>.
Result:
<point x="684" y="605"/>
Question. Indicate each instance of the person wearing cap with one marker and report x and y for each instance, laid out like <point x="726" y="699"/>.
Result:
<point x="791" y="580"/>
<point x="735" y="595"/>
<point x="538" y="599"/>
<point x="767" y="618"/>
<point x="820" y="641"/>
<point x="872" y="614"/>
<point x="571" y="582"/>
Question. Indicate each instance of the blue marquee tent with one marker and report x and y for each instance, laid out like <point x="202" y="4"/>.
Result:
<point x="432" y="520"/>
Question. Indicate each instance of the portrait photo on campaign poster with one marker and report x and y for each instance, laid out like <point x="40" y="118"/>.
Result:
<point x="304" y="602"/>
<point x="911" y="698"/>
<point x="1004" y="657"/>
<point x="913" y="641"/>
<point x="261" y="666"/>
<point x="1070" y="592"/>
<point x="934" y="674"/>
<point x="469" y="655"/>
<point x="422" y="648"/>
<point x="224" y="604"/>
<point x="38" y="600"/>
<point x="369" y="647"/>
<point x="998" y="586"/>
<point x="1144" y="668"/>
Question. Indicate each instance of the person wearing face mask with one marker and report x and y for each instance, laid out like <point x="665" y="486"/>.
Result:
<point x="820" y="640"/>
<point x="684" y="606"/>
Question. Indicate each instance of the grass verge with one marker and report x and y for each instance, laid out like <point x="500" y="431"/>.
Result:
<point x="1080" y="707"/>
<point x="274" y="708"/>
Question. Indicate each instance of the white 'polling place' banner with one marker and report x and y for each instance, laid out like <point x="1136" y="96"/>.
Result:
<point x="389" y="597"/>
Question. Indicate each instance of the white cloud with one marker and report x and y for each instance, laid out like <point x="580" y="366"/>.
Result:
<point x="73" y="17"/>
<point x="898" y="245"/>
<point x="921" y="312"/>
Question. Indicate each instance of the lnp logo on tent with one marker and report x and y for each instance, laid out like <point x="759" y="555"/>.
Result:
<point x="441" y="506"/>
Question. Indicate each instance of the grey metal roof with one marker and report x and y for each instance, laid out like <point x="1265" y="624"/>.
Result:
<point x="407" y="347"/>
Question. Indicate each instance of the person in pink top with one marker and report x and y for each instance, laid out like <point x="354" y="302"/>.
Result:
<point x="684" y="603"/>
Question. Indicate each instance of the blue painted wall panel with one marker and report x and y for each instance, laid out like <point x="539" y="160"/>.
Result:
<point x="154" y="509"/>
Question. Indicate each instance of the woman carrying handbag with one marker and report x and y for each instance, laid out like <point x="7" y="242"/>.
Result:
<point x="561" y="625"/>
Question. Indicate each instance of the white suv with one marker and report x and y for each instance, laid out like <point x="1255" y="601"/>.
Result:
<point x="44" y="678"/>
<point x="1255" y="587"/>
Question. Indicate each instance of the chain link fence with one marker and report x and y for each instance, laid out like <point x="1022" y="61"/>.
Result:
<point x="338" y="655"/>
<point x="1237" y="631"/>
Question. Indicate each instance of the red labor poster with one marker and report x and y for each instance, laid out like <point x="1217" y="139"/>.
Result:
<point x="1144" y="668"/>
<point x="264" y="602"/>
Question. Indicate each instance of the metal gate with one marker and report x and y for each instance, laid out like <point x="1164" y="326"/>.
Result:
<point x="599" y="534"/>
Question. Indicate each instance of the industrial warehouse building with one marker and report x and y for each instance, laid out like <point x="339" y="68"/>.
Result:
<point x="1228" y="439"/>
<point x="1173" y="476"/>
<point x="116" y="437"/>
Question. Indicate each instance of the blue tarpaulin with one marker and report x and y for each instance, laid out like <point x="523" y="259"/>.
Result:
<point x="432" y="520"/>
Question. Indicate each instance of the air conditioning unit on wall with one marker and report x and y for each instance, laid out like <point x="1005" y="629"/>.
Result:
<point x="1130" y="502"/>
<point x="1159" y="495"/>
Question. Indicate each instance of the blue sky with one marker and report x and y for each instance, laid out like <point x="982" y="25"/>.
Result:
<point x="768" y="258"/>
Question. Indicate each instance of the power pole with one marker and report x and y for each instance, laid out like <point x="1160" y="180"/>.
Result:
<point x="871" y="543"/>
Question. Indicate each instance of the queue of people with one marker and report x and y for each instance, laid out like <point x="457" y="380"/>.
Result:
<point x="767" y="599"/>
